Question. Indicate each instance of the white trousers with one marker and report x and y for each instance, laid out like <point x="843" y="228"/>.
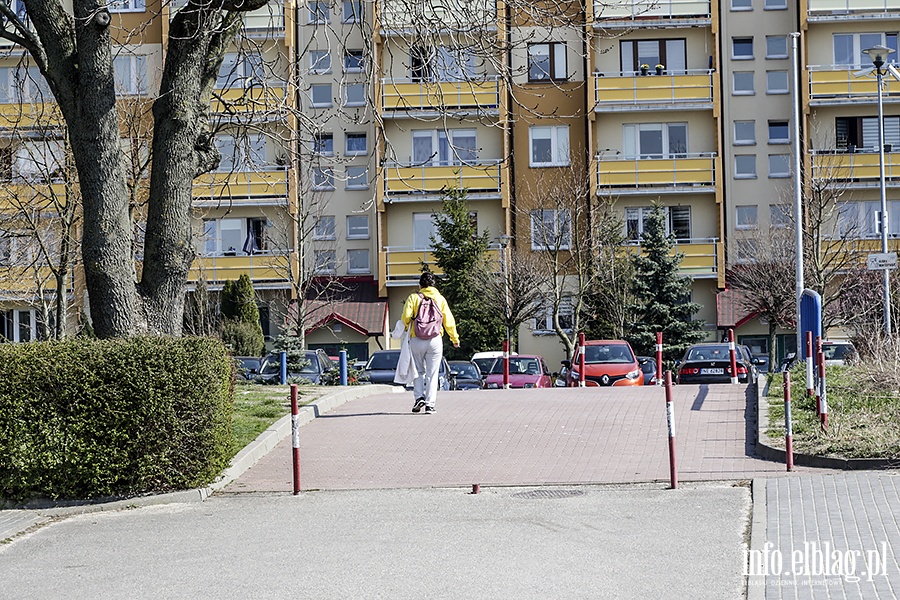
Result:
<point x="427" y="356"/>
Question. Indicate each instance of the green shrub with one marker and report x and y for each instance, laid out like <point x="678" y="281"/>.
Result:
<point x="243" y="339"/>
<point x="90" y="418"/>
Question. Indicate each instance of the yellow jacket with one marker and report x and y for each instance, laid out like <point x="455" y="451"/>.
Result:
<point x="411" y="309"/>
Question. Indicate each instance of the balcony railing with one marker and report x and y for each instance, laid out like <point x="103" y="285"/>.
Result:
<point x="17" y="114"/>
<point x="261" y="98"/>
<point x="482" y="176"/>
<point x="403" y="264"/>
<point x="689" y="88"/>
<point x="837" y="8"/>
<point x="701" y="257"/>
<point x="403" y="95"/>
<point x="29" y="282"/>
<point x="264" y="22"/>
<point x="837" y="83"/>
<point x="651" y="9"/>
<point x="451" y="15"/>
<point x="259" y="184"/>
<point x="686" y="171"/>
<point x="856" y="167"/>
<point x="272" y="267"/>
<point x="17" y="193"/>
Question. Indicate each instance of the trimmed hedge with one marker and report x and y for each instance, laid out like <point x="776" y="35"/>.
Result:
<point x="96" y="418"/>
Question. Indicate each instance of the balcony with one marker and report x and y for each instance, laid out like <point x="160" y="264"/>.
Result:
<point x="36" y="194"/>
<point x="701" y="257"/>
<point x="684" y="174"/>
<point x="402" y="181"/>
<point x="14" y="114"/>
<point x="847" y="10"/>
<point x="469" y="96"/>
<point x="258" y="99"/>
<point x="242" y="188"/>
<point x="634" y="13"/>
<point x="453" y="15"/>
<point x="857" y="169"/>
<point x="263" y="23"/>
<point x="834" y="85"/>
<point x="29" y="283"/>
<point x="691" y="90"/>
<point x="403" y="264"/>
<point x="271" y="268"/>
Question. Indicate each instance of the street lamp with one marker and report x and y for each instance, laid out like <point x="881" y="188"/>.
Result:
<point x="878" y="54"/>
<point x="504" y="244"/>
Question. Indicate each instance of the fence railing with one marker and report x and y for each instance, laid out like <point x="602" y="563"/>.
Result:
<point x="481" y="176"/>
<point x="408" y="95"/>
<point x="667" y="88"/>
<point x="687" y="170"/>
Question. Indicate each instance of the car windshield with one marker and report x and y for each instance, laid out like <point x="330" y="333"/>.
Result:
<point x="484" y="363"/>
<point x="386" y="361"/>
<point x="312" y="364"/>
<point x="837" y="351"/>
<point x="518" y="365"/>
<point x="717" y="352"/>
<point x="607" y="353"/>
<point x="465" y="370"/>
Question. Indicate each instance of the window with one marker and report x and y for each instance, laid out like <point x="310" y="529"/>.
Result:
<point x="779" y="215"/>
<point x="358" y="261"/>
<point x="323" y="178"/>
<point x="243" y="153"/>
<point x="319" y="61"/>
<point x="353" y="61"/>
<point x="776" y="46"/>
<point x="19" y="325"/>
<point x="357" y="178"/>
<point x="669" y="53"/>
<point x="423" y="230"/>
<point x="356" y="144"/>
<point x="547" y="62"/>
<point x="742" y="48"/>
<point x="746" y="217"/>
<point x="776" y="5"/>
<point x="543" y="323"/>
<point x="324" y="228"/>
<point x="779" y="133"/>
<point x="779" y="165"/>
<point x="352" y="11"/>
<point x="856" y="133"/>
<point x="551" y="229"/>
<point x="354" y="94"/>
<point x="678" y="221"/>
<point x="741" y="4"/>
<point x="234" y="236"/>
<point x="130" y="73"/>
<point x="357" y="227"/>
<point x="861" y="219"/>
<point x="38" y="159"/>
<point x="655" y="140"/>
<point x="848" y="48"/>
<point x="321" y="95"/>
<point x="776" y="82"/>
<point x="24" y="85"/>
<point x="240" y="71"/>
<point x="318" y="12"/>
<point x="747" y="250"/>
<point x="744" y="133"/>
<point x="745" y="166"/>
<point x="441" y="64"/>
<point x="444" y="147"/>
<point x="549" y="146"/>
<point x="120" y="6"/>
<point x="325" y="261"/>
<point x="323" y="143"/>
<point x="743" y="83"/>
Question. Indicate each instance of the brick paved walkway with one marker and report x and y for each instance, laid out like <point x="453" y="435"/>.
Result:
<point x="519" y="437"/>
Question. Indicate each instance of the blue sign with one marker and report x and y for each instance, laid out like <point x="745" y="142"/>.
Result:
<point x="810" y="318"/>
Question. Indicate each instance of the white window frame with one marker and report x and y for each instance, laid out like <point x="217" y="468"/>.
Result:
<point x="746" y="216"/>
<point x="423" y="228"/>
<point x="554" y="55"/>
<point x="127" y="6"/>
<point x="636" y="219"/>
<point x="543" y="323"/>
<point x="318" y="12"/>
<point x="746" y="174"/>
<point x="319" y="62"/>
<point x="16" y="323"/>
<point x="741" y="39"/>
<point x="357" y="227"/>
<point x="735" y="76"/>
<point x="777" y="82"/>
<point x="325" y="261"/>
<point x="312" y="95"/>
<point x="135" y="80"/>
<point x="745" y="141"/>
<point x="775" y="5"/>
<point x="741" y="5"/>
<point x="248" y="153"/>
<point x="240" y="70"/>
<point x="359" y="252"/>
<point x="444" y="147"/>
<point x="782" y="50"/>
<point x="323" y="178"/>
<point x="358" y="89"/>
<point x="781" y="161"/>
<point x="320" y="145"/>
<point x="631" y="140"/>
<point x="354" y="16"/>
<point x="558" y="136"/>
<point x="357" y="181"/>
<point x="352" y="54"/>
<point x="784" y="140"/>
<point x="324" y="228"/>
<point x="356" y="135"/>
<point x="551" y="225"/>
<point x="779" y="216"/>
<point x="889" y="39"/>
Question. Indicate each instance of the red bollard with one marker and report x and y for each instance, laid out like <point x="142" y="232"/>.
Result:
<point x="505" y="364"/>
<point x="295" y="437"/>
<point x="581" y="360"/>
<point x="731" y="351"/>
<point x="788" y="424"/>
<point x="810" y="377"/>
<point x="819" y="373"/>
<point x="659" y="372"/>
<point x="823" y="396"/>
<point x="670" y="421"/>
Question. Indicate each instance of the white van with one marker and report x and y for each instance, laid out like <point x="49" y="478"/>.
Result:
<point x="484" y="360"/>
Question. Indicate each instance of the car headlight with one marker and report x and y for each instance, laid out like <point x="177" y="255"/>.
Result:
<point x="634" y="374"/>
<point x="493" y="386"/>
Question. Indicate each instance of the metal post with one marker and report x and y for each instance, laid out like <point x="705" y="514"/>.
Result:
<point x="342" y="365"/>
<point x="731" y="352"/>
<point x="282" y="374"/>
<point x="819" y="373"/>
<point x="581" y="360"/>
<point x="810" y="376"/>
<point x="798" y="192"/>
<point x="295" y="437"/>
<point x="670" y="421"/>
<point x="659" y="348"/>
<point x="823" y="396"/>
<point x="505" y="364"/>
<point x="788" y="424"/>
<point x="884" y="214"/>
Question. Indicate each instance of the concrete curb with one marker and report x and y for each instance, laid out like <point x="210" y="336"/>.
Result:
<point x="26" y="517"/>
<point x="769" y="452"/>
<point x="756" y="584"/>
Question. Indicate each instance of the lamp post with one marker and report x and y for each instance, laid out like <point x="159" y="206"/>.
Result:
<point x="878" y="54"/>
<point x="504" y="244"/>
<point x="798" y="193"/>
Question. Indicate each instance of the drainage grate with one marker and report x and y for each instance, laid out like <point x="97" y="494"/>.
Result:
<point x="548" y="494"/>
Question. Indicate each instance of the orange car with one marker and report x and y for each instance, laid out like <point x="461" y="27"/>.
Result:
<point x="606" y="363"/>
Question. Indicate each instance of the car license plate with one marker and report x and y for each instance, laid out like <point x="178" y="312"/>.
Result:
<point x="712" y="371"/>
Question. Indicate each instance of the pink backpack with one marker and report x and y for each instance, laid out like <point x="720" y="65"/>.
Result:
<point x="429" y="319"/>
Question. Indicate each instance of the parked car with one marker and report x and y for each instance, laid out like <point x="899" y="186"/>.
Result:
<point x="838" y="352"/>
<point x="247" y="367"/>
<point x="606" y="363"/>
<point x="648" y="368"/>
<point x="525" y="371"/>
<point x="484" y="360"/>
<point x="465" y="375"/>
<point x="382" y="365"/>
<point x="711" y="363"/>
<point x="317" y="364"/>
